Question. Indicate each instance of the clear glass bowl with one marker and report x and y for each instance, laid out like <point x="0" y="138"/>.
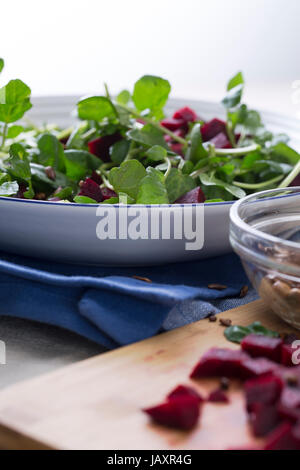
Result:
<point x="265" y="233"/>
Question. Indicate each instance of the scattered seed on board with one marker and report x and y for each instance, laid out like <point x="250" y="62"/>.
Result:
<point x="212" y="318"/>
<point x="244" y="291"/>
<point x="225" y="322"/>
<point x="217" y="286"/>
<point x="141" y="278"/>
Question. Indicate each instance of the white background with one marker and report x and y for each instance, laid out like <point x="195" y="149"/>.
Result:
<point x="72" y="47"/>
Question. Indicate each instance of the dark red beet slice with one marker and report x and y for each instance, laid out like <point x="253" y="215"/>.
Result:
<point x="265" y="390"/>
<point x="290" y="397"/>
<point x="296" y="435"/>
<point x="210" y="129"/>
<point x="194" y="196"/>
<point x="179" y="133"/>
<point x="22" y="190"/>
<point x="296" y="181"/>
<point x="186" y="113"/>
<point x="257" y="367"/>
<point x="218" y="396"/>
<point x="108" y="193"/>
<point x="96" y="177"/>
<point x="281" y="438"/>
<point x="177" y="148"/>
<point x="91" y="189"/>
<point x="181" y="412"/>
<point x="100" y="146"/>
<point x="173" y="124"/>
<point x="287" y="413"/>
<point x="184" y="391"/>
<point x="262" y="346"/>
<point x="217" y="362"/>
<point x="287" y="352"/>
<point x="221" y="141"/>
<point x="263" y="419"/>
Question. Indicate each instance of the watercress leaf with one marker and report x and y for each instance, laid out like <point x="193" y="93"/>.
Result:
<point x="14" y="131"/>
<point x="196" y="150"/>
<point x="18" y="163"/>
<point x="210" y="180"/>
<point x="187" y="167"/>
<point x="156" y="153"/>
<point x="79" y="163"/>
<point x="9" y="188"/>
<point x="111" y="200"/>
<point x="95" y="108"/>
<point x="1" y="64"/>
<point x="64" y="193"/>
<point x="286" y="153"/>
<point x="151" y="93"/>
<point x="213" y="200"/>
<point x="123" y="97"/>
<point x="119" y="151"/>
<point x="39" y="177"/>
<point x="84" y="200"/>
<point x="76" y="139"/>
<point x="258" y="328"/>
<point x="148" y="135"/>
<point x="51" y="152"/>
<point x="152" y="189"/>
<point x="238" y="79"/>
<point x="233" y="97"/>
<point x="14" y="101"/>
<point x="127" y="177"/>
<point x="178" y="184"/>
<point x="236" y="333"/>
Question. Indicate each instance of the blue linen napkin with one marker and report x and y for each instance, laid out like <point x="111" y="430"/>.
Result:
<point x="108" y="306"/>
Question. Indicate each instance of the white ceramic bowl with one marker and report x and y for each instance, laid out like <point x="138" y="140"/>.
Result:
<point x="67" y="232"/>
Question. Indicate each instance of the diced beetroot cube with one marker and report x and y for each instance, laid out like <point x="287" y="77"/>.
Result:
<point x="290" y="397"/>
<point x="287" y="352"/>
<point x="173" y="124"/>
<point x="22" y="190"/>
<point x="218" y="362"/>
<point x="257" y="367"/>
<point x="100" y="146"/>
<point x="296" y="181"/>
<point x="194" y="196"/>
<point x="287" y="413"/>
<point x="265" y="389"/>
<point x="218" y="396"/>
<point x="91" y="189"/>
<point x="263" y="419"/>
<point x="221" y="141"/>
<point x="108" y="193"/>
<point x="181" y="412"/>
<point x="262" y="346"/>
<point x="210" y="129"/>
<point x="96" y="177"/>
<point x="186" y="113"/>
<point x="177" y="148"/>
<point x="281" y="438"/>
<point x="184" y="390"/>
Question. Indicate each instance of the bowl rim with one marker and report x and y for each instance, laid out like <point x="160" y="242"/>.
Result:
<point x="236" y="220"/>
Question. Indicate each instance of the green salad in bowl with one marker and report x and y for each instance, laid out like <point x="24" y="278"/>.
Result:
<point x="124" y="149"/>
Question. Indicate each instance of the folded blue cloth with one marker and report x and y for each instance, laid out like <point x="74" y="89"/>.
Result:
<point x="109" y="306"/>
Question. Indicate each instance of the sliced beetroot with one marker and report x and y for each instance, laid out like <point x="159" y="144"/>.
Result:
<point x="221" y="141"/>
<point x="177" y="148"/>
<point x="186" y="114"/>
<point x="263" y="419"/>
<point x="194" y="196"/>
<point x="96" y="177"/>
<point x="296" y="181"/>
<point x="218" y="396"/>
<point x="181" y="412"/>
<point x="290" y="397"/>
<point x="262" y="346"/>
<point x="22" y="190"/>
<point x="173" y="124"/>
<point x="265" y="389"/>
<point x="257" y="367"/>
<point x="218" y="362"/>
<point x="100" y="146"/>
<point x="179" y="133"/>
<point x="185" y="391"/>
<point x="108" y="193"/>
<point x="281" y="438"/>
<point x="287" y="413"/>
<point x="210" y="129"/>
<point x="286" y="355"/>
<point x="91" y="189"/>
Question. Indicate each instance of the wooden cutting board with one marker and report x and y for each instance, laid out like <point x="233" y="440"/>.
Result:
<point x="96" y="403"/>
